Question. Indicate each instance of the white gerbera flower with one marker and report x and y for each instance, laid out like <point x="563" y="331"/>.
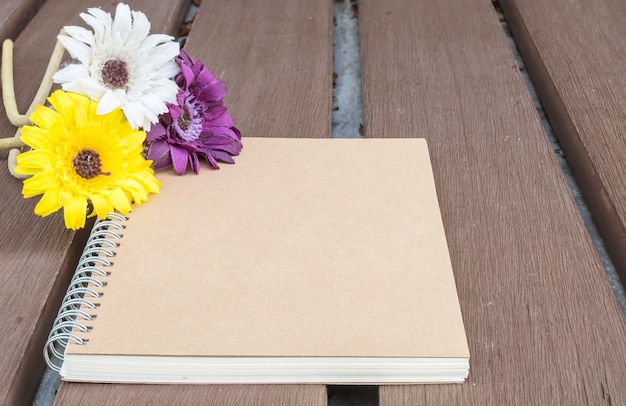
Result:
<point x="121" y="65"/>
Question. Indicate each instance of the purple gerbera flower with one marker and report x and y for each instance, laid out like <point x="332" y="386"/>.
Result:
<point x="198" y="126"/>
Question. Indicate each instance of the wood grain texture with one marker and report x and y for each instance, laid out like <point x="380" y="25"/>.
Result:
<point x="574" y="52"/>
<point x="542" y="323"/>
<point x="15" y="14"/>
<point x="206" y="395"/>
<point x="275" y="57"/>
<point x="38" y="256"/>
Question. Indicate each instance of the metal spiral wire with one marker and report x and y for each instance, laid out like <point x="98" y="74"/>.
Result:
<point x="81" y="297"/>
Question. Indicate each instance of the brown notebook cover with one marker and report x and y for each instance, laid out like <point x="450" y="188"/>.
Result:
<point x="309" y="260"/>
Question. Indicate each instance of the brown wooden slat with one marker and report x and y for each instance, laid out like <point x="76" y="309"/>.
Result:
<point x="275" y="56"/>
<point x="574" y="52"/>
<point x="15" y="14"/>
<point x="205" y="395"/>
<point x="542" y="323"/>
<point x="38" y="256"/>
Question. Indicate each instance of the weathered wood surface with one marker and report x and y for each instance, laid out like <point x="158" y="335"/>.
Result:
<point x="38" y="256"/>
<point x="542" y="323"/>
<point x="206" y="395"/>
<point x="574" y="52"/>
<point x="15" y="14"/>
<point x="275" y="56"/>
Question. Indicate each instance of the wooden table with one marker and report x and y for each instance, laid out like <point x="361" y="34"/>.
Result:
<point x="542" y="322"/>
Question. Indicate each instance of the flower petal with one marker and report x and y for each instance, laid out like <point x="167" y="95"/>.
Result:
<point x="75" y="212"/>
<point x="157" y="150"/>
<point x="39" y="183"/>
<point x="99" y="20"/>
<point x="156" y="131"/>
<point x="45" y="117"/>
<point x="109" y="102"/>
<point x="48" y="204"/>
<point x="155" y="39"/>
<point x="180" y="156"/>
<point x="69" y="73"/>
<point x="86" y="86"/>
<point x="35" y="137"/>
<point x="101" y="205"/>
<point x="134" y="113"/>
<point x="164" y="162"/>
<point x="141" y="28"/>
<point x="122" y="23"/>
<point x="120" y="201"/>
<point x="36" y="160"/>
<point x="79" y="33"/>
<point x="76" y="49"/>
<point x="194" y="163"/>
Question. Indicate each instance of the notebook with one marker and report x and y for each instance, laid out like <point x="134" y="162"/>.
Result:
<point x="307" y="261"/>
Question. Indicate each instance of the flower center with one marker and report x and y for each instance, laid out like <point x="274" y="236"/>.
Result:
<point x="115" y="73"/>
<point x="188" y="125"/>
<point x="184" y="120"/>
<point x="87" y="164"/>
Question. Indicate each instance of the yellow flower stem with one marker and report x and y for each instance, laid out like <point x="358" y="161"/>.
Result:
<point x="10" y="103"/>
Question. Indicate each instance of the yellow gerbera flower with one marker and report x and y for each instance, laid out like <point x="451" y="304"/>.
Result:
<point x="80" y="157"/>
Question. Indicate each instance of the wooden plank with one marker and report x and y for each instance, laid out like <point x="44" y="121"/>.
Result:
<point x="275" y="56"/>
<point x="542" y="323"/>
<point x="15" y="14"/>
<point x="206" y="395"/>
<point x="38" y="255"/>
<point x="574" y="53"/>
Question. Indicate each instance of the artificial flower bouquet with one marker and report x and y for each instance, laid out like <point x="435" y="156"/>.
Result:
<point x="131" y="103"/>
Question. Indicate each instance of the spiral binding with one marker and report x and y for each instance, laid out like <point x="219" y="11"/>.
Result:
<point x="86" y="285"/>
